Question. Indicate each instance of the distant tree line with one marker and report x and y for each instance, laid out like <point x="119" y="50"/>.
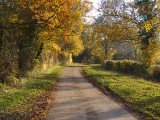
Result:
<point x="124" y="30"/>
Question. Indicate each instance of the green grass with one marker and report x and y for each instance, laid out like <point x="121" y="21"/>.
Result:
<point x="16" y="98"/>
<point x="144" y="95"/>
<point x="82" y="65"/>
<point x="77" y="64"/>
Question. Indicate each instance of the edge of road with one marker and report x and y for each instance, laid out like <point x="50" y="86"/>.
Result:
<point x="127" y="106"/>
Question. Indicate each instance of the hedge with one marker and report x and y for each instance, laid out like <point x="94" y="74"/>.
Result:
<point x="132" y="68"/>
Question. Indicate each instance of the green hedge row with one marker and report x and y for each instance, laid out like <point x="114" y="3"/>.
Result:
<point x="132" y="68"/>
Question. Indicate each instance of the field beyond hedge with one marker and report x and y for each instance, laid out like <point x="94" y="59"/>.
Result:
<point x="144" y="96"/>
<point x="30" y="99"/>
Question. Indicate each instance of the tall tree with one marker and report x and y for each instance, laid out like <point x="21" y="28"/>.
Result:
<point x="136" y="21"/>
<point x="148" y="24"/>
<point x="32" y="29"/>
<point x="114" y="26"/>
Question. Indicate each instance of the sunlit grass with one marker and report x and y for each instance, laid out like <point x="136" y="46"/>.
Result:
<point x="144" y="95"/>
<point x="82" y="64"/>
<point x="77" y="64"/>
<point x="17" y="98"/>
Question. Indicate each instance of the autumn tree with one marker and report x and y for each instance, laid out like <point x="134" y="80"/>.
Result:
<point x="113" y="26"/>
<point x="131" y="21"/>
<point x="148" y="24"/>
<point x="35" y="31"/>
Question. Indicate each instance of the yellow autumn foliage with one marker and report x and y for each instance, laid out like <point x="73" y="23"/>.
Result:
<point x="148" y="25"/>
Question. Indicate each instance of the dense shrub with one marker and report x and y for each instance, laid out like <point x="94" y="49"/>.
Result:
<point x="139" y="69"/>
<point x="156" y="73"/>
<point x="110" y="65"/>
<point x="126" y="66"/>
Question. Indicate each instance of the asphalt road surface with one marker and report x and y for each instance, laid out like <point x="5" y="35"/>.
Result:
<point x="77" y="99"/>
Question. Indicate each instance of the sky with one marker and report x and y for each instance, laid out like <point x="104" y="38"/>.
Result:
<point x="94" y="12"/>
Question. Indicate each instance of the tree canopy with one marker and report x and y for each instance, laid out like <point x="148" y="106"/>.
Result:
<point x="38" y="31"/>
<point x="134" y="22"/>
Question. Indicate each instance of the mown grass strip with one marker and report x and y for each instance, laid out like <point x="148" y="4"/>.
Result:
<point x="24" y="98"/>
<point x="143" y="95"/>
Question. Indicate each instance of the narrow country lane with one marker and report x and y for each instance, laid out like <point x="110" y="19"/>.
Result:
<point x="77" y="99"/>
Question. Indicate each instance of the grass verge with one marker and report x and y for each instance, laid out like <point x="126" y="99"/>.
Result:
<point x="77" y="65"/>
<point x="31" y="99"/>
<point x="141" y="95"/>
